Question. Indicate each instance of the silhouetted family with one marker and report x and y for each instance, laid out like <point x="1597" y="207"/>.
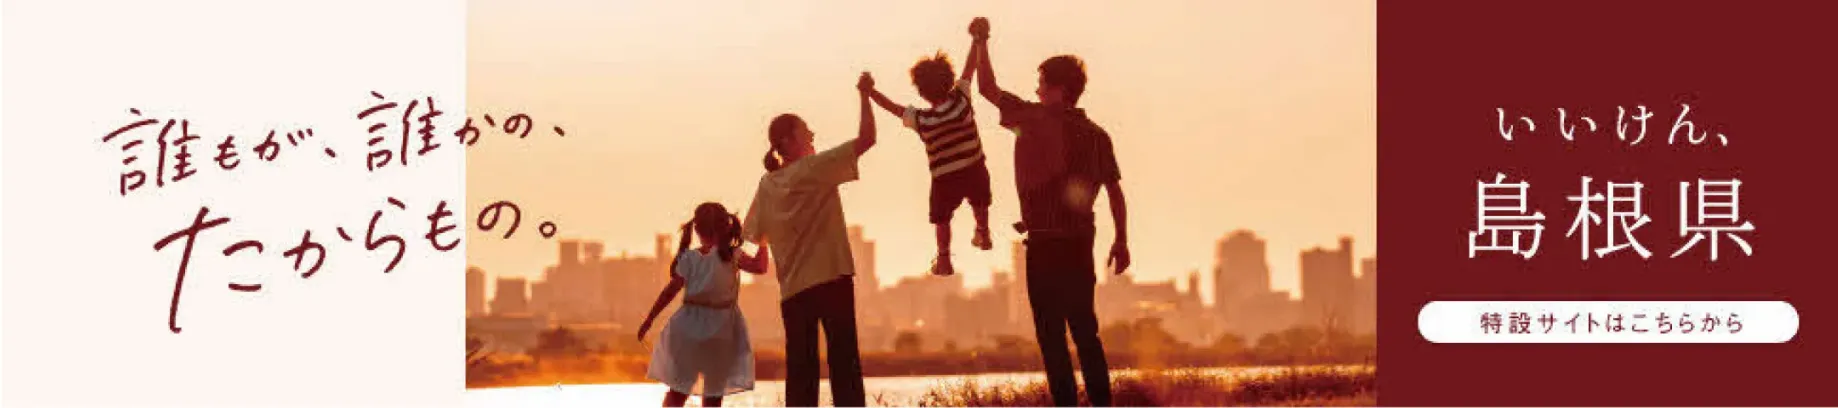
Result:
<point x="1062" y="160"/>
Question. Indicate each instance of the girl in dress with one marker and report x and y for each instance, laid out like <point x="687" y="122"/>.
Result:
<point x="706" y="339"/>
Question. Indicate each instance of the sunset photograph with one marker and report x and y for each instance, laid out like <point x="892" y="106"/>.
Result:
<point x="893" y="204"/>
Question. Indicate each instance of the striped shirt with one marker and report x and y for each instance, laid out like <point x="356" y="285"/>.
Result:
<point x="949" y="132"/>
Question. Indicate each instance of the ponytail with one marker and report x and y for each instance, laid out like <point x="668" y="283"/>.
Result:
<point x="732" y="241"/>
<point x="682" y="244"/>
<point x="777" y="133"/>
<point x="772" y="161"/>
<point x="716" y="227"/>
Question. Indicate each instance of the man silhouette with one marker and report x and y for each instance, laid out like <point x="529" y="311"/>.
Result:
<point x="1062" y="159"/>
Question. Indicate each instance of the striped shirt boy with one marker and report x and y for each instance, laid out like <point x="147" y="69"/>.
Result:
<point x="955" y="151"/>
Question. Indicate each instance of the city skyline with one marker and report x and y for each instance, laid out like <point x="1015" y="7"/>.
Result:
<point x="604" y="296"/>
<point x="1240" y="269"/>
<point x="984" y="277"/>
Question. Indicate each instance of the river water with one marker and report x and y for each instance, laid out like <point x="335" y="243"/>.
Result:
<point x="887" y="391"/>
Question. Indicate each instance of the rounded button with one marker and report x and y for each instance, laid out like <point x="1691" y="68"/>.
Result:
<point x="1586" y="322"/>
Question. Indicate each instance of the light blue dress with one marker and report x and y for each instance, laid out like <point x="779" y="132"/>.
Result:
<point x="706" y="339"/>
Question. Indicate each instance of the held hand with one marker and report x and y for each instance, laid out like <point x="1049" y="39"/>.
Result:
<point x="642" y="329"/>
<point x="1119" y="257"/>
<point x="866" y="84"/>
<point x="979" y="28"/>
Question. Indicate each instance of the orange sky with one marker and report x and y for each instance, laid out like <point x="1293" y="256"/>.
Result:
<point x="1225" y="115"/>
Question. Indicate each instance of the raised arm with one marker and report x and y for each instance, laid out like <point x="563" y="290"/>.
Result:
<point x="887" y="104"/>
<point x="756" y="264"/>
<point x="752" y="228"/>
<point x="865" y="139"/>
<point x="979" y="56"/>
<point x="663" y="299"/>
<point x="970" y="68"/>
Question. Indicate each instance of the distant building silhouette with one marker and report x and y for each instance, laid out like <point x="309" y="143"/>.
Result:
<point x="512" y="297"/>
<point x="631" y="282"/>
<point x="540" y="297"/>
<point x="507" y="326"/>
<point x="873" y="329"/>
<point x="1193" y="287"/>
<point x="475" y="292"/>
<point x="940" y="309"/>
<point x="1243" y="301"/>
<point x="604" y="297"/>
<point x="572" y="292"/>
<point x="914" y="303"/>
<point x="863" y="250"/>
<point x="1018" y="311"/>
<point x="1365" y="317"/>
<point x="585" y="287"/>
<point x="590" y="290"/>
<point x="1242" y="271"/>
<point x="1121" y="299"/>
<point x="975" y="318"/>
<point x="1197" y="324"/>
<point x="1328" y="286"/>
<point x="759" y="302"/>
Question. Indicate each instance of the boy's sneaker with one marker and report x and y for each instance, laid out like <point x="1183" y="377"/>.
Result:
<point x="981" y="240"/>
<point x="941" y="266"/>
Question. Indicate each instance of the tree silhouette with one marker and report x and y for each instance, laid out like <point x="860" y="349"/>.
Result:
<point x="558" y="342"/>
<point x="1292" y="344"/>
<point x="1228" y="344"/>
<point x="907" y="343"/>
<point x="1012" y="344"/>
<point x="1142" y="336"/>
<point x="475" y="352"/>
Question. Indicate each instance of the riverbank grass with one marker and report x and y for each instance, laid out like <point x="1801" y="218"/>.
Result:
<point x="1297" y="386"/>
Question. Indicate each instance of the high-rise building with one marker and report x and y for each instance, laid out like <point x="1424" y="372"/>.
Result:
<point x="574" y="286"/>
<point x="475" y="291"/>
<point x="874" y="328"/>
<point x="1193" y="287"/>
<point x="512" y="297"/>
<point x="974" y="318"/>
<point x="1366" y="313"/>
<point x="591" y="252"/>
<point x="914" y="301"/>
<point x="540" y="299"/>
<point x="570" y="252"/>
<point x="1328" y="286"/>
<point x="867" y="285"/>
<point x="663" y="250"/>
<point x="1192" y="308"/>
<point x="1001" y="311"/>
<point x="863" y="251"/>
<point x="1243" y="301"/>
<point x="759" y="302"/>
<point x="1266" y="313"/>
<point x="628" y="284"/>
<point x="587" y="288"/>
<point x="1243" y="270"/>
